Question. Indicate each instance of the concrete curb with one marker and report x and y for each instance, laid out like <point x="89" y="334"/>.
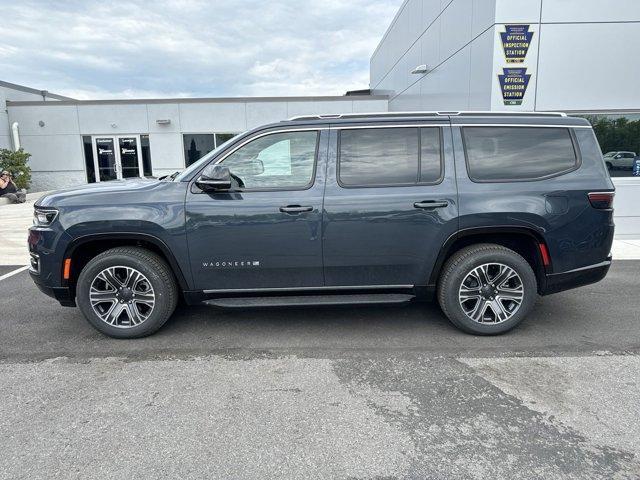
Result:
<point x="30" y="196"/>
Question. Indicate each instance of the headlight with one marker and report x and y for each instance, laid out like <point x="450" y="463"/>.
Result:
<point x="44" y="217"/>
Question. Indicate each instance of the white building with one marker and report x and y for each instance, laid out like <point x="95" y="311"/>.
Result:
<point x="576" y="56"/>
<point x="74" y="142"/>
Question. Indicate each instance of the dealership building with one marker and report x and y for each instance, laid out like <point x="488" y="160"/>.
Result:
<point x="574" y="56"/>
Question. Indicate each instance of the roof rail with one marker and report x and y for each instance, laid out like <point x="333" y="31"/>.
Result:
<point x="425" y="114"/>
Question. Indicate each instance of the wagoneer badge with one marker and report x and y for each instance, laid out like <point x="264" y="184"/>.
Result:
<point x="231" y="264"/>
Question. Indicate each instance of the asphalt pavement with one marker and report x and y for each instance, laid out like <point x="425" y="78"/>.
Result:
<point x="324" y="392"/>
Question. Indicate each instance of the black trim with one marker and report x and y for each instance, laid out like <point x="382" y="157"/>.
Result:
<point x="193" y="297"/>
<point x="418" y="183"/>
<point x="173" y="263"/>
<point x="560" y="282"/>
<point x="572" y="135"/>
<point x="64" y="295"/>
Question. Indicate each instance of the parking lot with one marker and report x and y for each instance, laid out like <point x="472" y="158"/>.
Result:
<point x="350" y="392"/>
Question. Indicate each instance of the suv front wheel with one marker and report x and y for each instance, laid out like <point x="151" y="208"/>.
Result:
<point x="127" y="292"/>
<point x="487" y="289"/>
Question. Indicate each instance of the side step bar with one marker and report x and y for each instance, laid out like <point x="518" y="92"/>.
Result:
<point x="304" y="300"/>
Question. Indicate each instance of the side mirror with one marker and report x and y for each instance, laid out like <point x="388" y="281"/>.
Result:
<point x="617" y="157"/>
<point x="214" y="177"/>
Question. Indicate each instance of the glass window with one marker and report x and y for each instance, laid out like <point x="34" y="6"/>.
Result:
<point x="430" y="155"/>
<point x="197" y="146"/>
<point x="518" y="153"/>
<point x="223" y="138"/>
<point x="87" y="146"/>
<point x="281" y="160"/>
<point x="379" y="156"/>
<point x="146" y="155"/>
<point x="619" y="138"/>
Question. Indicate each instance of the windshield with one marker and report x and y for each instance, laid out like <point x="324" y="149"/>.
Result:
<point x="197" y="165"/>
<point x="610" y="154"/>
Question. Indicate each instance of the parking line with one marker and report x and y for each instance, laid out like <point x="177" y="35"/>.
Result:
<point x="15" y="272"/>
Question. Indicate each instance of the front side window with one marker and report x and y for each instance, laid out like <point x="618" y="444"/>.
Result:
<point x="389" y="156"/>
<point x="277" y="161"/>
<point x="518" y="153"/>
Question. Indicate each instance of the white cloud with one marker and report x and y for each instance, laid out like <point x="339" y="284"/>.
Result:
<point x="96" y="49"/>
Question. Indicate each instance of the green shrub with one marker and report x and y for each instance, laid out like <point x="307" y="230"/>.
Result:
<point x="615" y="134"/>
<point x="16" y="163"/>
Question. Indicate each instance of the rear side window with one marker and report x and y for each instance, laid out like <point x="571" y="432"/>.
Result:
<point x="389" y="156"/>
<point x="518" y="153"/>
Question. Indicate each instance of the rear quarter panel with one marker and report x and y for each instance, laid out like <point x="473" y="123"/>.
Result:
<point x="557" y="209"/>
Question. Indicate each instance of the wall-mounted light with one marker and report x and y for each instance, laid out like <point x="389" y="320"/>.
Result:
<point x="420" y="70"/>
<point x="163" y="121"/>
<point x="41" y="123"/>
<point x="114" y="125"/>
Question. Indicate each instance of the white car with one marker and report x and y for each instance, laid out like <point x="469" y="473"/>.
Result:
<point x="619" y="160"/>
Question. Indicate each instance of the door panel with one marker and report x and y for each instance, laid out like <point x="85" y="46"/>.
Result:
<point x="258" y="239"/>
<point x="106" y="159"/>
<point x="387" y="235"/>
<point x="129" y="159"/>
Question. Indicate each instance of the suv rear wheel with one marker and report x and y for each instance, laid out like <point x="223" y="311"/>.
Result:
<point x="487" y="289"/>
<point x="127" y="292"/>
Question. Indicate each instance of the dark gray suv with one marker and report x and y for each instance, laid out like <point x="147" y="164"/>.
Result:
<point x="483" y="211"/>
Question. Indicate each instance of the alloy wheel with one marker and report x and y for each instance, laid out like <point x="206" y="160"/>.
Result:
<point x="122" y="297"/>
<point x="491" y="293"/>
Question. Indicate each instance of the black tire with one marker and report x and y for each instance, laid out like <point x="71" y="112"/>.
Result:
<point x="465" y="261"/>
<point x="609" y="166"/>
<point x="153" y="267"/>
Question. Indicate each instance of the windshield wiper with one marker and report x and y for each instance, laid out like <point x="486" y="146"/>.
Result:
<point x="169" y="178"/>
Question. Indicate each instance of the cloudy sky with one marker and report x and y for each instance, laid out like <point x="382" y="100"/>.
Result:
<point x="173" y="48"/>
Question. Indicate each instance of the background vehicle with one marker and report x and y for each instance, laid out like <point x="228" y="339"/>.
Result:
<point x="619" y="160"/>
<point x="482" y="211"/>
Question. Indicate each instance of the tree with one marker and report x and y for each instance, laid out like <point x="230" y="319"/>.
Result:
<point x="616" y="134"/>
<point x="16" y="164"/>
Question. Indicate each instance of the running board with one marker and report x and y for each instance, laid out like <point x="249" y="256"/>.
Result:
<point x="304" y="300"/>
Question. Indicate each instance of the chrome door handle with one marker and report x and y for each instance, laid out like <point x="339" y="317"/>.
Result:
<point x="293" y="209"/>
<point x="428" y="205"/>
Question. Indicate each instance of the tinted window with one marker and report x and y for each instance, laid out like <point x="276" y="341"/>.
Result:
<point x="146" y="155"/>
<point x="223" y="137"/>
<point x="389" y="156"/>
<point x="379" y="156"/>
<point x="197" y="146"/>
<point x="281" y="160"/>
<point x="430" y="155"/>
<point x="87" y="145"/>
<point x="518" y="153"/>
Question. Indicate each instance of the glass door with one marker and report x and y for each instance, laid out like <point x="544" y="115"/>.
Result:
<point x="105" y="159"/>
<point x="130" y="158"/>
<point x="117" y="157"/>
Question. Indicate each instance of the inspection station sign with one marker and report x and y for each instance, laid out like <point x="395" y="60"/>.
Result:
<point x="516" y="41"/>
<point x="513" y="70"/>
<point x="514" y="83"/>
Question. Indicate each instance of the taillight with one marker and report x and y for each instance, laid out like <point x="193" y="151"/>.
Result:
<point x="601" y="200"/>
<point x="544" y="254"/>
